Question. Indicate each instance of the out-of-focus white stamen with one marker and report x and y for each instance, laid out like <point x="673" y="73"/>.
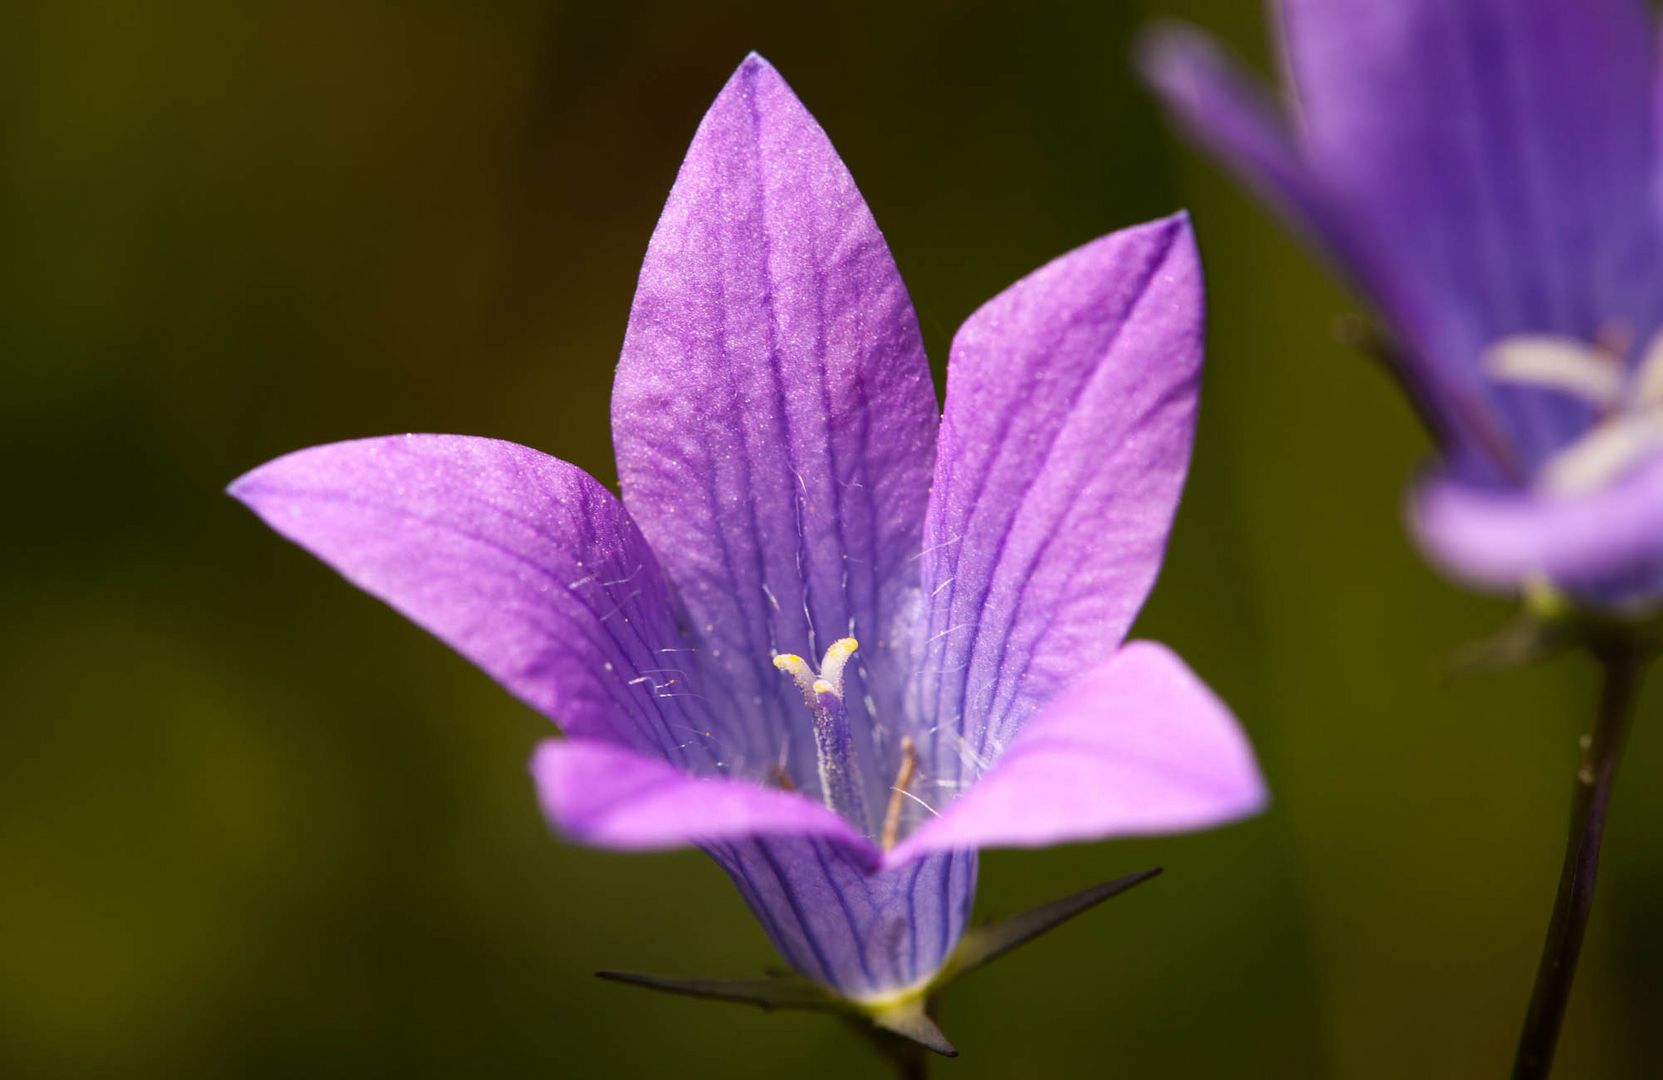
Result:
<point x="1630" y="402"/>
<point x="1645" y="386"/>
<point x="1603" y="454"/>
<point x="1559" y="363"/>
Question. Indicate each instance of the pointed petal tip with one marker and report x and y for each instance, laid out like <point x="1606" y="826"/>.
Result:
<point x="1189" y="71"/>
<point x="246" y="488"/>
<point x="1174" y="231"/>
<point x="1167" y="50"/>
<point x="1110" y="256"/>
<point x="251" y="484"/>
<point x="751" y="70"/>
<point x="238" y="488"/>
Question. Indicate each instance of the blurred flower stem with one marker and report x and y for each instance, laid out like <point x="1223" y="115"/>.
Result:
<point x="1623" y="666"/>
<point x="908" y="1060"/>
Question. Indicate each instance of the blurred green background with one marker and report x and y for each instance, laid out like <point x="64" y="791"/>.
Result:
<point x="254" y="824"/>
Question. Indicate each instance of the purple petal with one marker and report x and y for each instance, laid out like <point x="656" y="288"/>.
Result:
<point x="1505" y="153"/>
<point x="610" y="796"/>
<point x="1228" y="112"/>
<point x="773" y="412"/>
<point x="1508" y="147"/>
<point x="1070" y="412"/>
<point x="1608" y="542"/>
<point x="1139" y="745"/>
<point x="521" y="563"/>
<point x="865" y="935"/>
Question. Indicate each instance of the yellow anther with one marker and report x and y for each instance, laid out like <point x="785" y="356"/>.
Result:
<point x="821" y="686"/>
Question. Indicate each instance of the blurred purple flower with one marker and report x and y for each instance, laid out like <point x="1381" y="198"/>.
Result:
<point x="1488" y="175"/>
<point x="776" y="434"/>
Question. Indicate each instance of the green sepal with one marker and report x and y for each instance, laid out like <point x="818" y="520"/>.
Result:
<point x="903" y="1020"/>
<point x="984" y="944"/>
<point x="768" y="992"/>
<point x="910" y="1019"/>
<point x="1549" y="624"/>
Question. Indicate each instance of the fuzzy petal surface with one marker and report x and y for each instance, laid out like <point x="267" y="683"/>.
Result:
<point x="1137" y="746"/>
<point x="773" y="411"/>
<point x="1071" y="405"/>
<point x="522" y="563"/>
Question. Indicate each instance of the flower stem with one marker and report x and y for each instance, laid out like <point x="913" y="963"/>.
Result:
<point x="911" y="1063"/>
<point x="906" y="1060"/>
<point x="1601" y="749"/>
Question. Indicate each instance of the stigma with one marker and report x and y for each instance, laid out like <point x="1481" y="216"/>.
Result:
<point x="831" y="668"/>
<point x="823" y="694"/>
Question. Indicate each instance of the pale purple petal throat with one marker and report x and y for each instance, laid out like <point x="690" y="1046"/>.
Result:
<point x="834" y="647"/>
<point x="1488" y="175"/>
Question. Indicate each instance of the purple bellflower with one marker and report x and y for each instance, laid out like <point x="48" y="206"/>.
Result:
<point x="1487" y="174"/>
<point x="835" y="647"/>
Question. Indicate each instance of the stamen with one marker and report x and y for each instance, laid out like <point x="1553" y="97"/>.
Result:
<point x="892" y="816"/>
<point x="1630" y="428"/>
<point x="1556" y="363"/>
<point x="1604" y="454"/>
<point x="1646" y="385"/>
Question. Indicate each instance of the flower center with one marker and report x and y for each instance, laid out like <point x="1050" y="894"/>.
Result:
<point x="1630" y="404"/>
<point x="823" y="694"/>
<point x="839" y="776"/>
